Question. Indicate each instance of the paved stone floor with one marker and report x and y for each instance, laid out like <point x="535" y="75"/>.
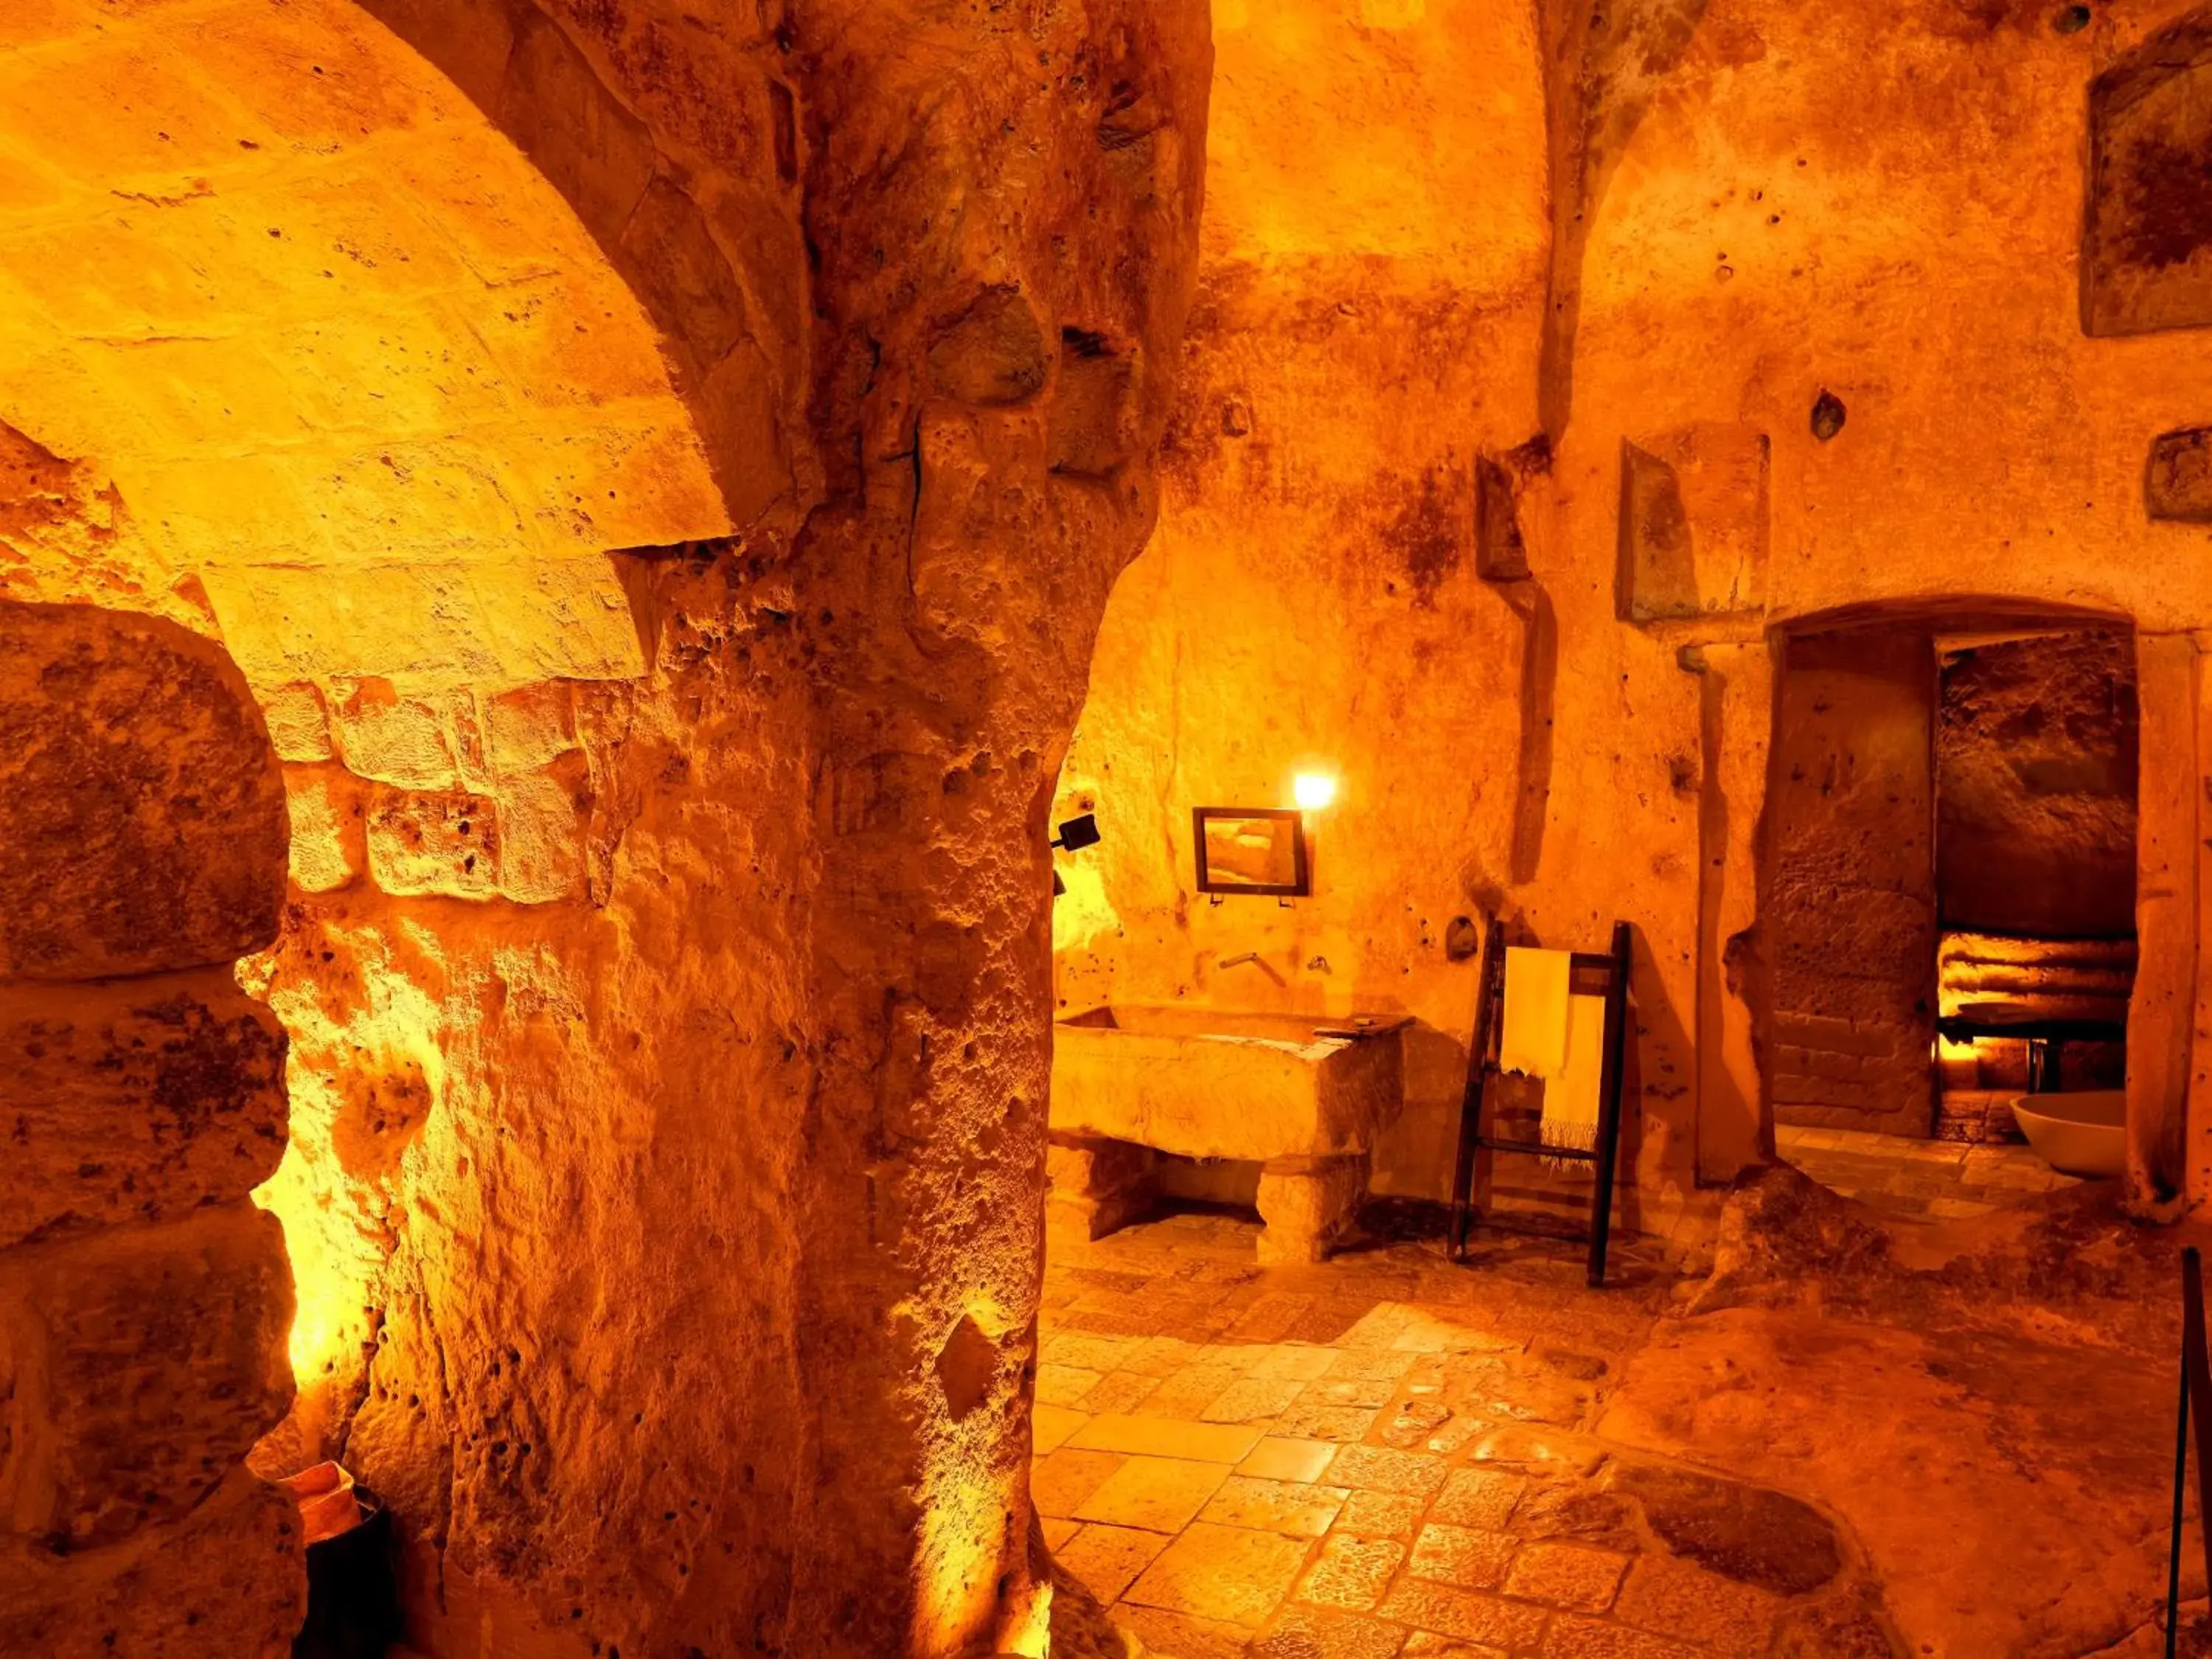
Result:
<point x="1388" y="1454"/>
<point x="1919" y="1180"/>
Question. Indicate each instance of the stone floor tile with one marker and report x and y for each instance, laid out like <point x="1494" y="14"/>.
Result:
<point x="1240" y="1355"/>
<point x="1389" y="1364"/>
<point x="1161" y="1493"/>
<point x="1369" y="1391"/>
<point x="1063" y="1385"/>
<point x="1379" y="1327"/>
<point x="1050" y="1425"/>
<point x="1119" y="1391"/>
<point x="1573" y="1637"/>
<point x="1058" y="1532"/>
<point x="1083" y="1319"/>
<point x="1561" y="1511"/>
<point x="1427" y="1644"/>
<point x="1471" y="1616"/>
<point x="1192" y="1389"/>
<point x="1229" y="1573"/>
<point x="1379" y="1515"/>
<point x="1464" y="1556"/>
<point x="1476" y="1497"/>
<point x="1166" y="1436"/>
<point x="1104" y="1560"/>
<point x="1550" y="1451"/>
<point x="1567" y="1575"/>
<point x="1094" y="1353"/>
<point x="1272" y="1317"/>
<point x="1060" y="1483"/>
<point x="1380" y="1469"/>
<point x="1352" y="1573"/>
<point x="1162" y="1356"/>
<point x="1411" y="1424"/>
<point x="1314" y="1421"/>
<point x="1678" y="1599"/>
<point x="1457" y="1433"/>
<point x="1294" y="1508"/>
<point x="1176" y="1634"/>
<point x="1108" y="1278"/>
<point x="1424" y="1332"/>
<point x="1323" y="1322"/>
<point x="1301" y="1632"/>
<point x="1253" y="1400"/>
<point x="1279" y="1457"/>
<point x="1295" y="1361"/>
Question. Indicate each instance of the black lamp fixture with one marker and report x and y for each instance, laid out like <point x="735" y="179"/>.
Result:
<point x="1075" y="834"/>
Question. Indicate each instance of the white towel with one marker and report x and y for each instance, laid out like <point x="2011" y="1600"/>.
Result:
<point x="1535" y="1040"/>
<point x="1571" y="1097"/>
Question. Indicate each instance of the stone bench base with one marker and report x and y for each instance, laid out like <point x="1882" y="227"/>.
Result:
<point x="1098" y="1185"/>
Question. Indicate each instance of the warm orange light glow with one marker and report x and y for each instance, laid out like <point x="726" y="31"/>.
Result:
<point x="1313" y="791"/>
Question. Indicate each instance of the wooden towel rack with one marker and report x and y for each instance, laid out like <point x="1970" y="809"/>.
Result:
<point x="1588" y="975"/>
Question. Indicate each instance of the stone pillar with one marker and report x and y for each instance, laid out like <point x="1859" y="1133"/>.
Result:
<point x="1003" y="208"/>
<point x="1097" y="1185"/>
<point x="2162" y="1012"/>
<point x="1734" y="1128"/>
<point x="1307" y="1203"/>
<point x="143" y="1298"/>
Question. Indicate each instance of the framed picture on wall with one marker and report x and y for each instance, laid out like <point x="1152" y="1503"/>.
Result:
<point x="1260" y="850"/>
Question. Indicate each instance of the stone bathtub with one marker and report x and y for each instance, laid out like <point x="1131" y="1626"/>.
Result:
<point x="1300" y="1095"/>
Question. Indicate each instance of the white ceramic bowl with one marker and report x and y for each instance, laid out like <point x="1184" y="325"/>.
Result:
<point x="2082" y="1133"/>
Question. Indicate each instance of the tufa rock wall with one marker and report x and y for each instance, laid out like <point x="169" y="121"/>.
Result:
<point x="1004" y="218"/>
<point x="662" y="965"/>
<point x="143" y="1298"/>
<point x="2035" y="787"/>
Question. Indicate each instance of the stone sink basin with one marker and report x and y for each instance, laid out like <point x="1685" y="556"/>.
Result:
<point x="1269" y="1088"/>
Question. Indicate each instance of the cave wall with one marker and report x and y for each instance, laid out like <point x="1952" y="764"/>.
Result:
<point x="1805" y="288"/>
<point x="669" y="644"/>
<point x="143" y="1297"/>
<point x="2035" y="787"/>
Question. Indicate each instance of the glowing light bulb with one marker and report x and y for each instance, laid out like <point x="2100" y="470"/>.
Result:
<point x="1313" y="790"/>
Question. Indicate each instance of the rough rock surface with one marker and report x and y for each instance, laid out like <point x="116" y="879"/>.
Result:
<point x="153" y="1359"/>
<point x="143" y="1298"/>
<point x="135" y="1100"/>
<point x="974" y="396"/>
<point x="665" y="1193"/>
<point x="665" y="950"/>
<point x="224" y="1579"/>
<point x="2035" y="787"/>
<point x="664" y="955"/>
<point x="166" y="851"/>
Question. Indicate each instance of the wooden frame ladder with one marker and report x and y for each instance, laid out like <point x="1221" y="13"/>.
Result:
<point x="1588" y="975"/>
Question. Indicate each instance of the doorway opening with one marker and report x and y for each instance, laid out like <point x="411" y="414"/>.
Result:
<point x="1950" y="899"/>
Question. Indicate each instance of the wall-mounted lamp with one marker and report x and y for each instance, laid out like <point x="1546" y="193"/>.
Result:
<point x="1313" y="791"/>
<point x="1075" y="834"/>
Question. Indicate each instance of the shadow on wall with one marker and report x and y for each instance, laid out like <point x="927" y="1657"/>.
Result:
<point x="1602" y="69"/>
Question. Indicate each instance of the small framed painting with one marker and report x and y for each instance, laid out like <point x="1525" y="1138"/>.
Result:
<point x="1251" y="849"/>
